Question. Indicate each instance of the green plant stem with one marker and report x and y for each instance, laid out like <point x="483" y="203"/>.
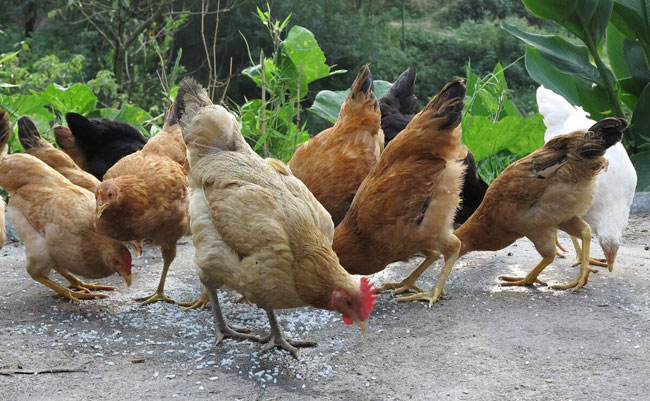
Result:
<point x="606" y="78"/>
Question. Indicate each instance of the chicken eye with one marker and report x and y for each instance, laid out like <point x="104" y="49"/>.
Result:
<point x="348" y="302"/>
<point x="110" y="195"/>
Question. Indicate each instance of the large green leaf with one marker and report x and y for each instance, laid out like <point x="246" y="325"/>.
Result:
<point x="640" y="127"/>
<point x="327" y="104"/>
<point x="561" y="54"/>
<point x="615" y="52"/>
<point x="636" y="62"/>
<point x="629" y="19"/>
<point x="302" y="48"/>
<point x="580" y="17"/>
<point x="545" y="74"/>
<point x="641" y="162"/>
<point x="516" y="134"/>
<point x="77" y="98"/>
<point x="578" y="91"/>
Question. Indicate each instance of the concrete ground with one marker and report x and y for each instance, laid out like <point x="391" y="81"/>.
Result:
<point x="482" y="342"/>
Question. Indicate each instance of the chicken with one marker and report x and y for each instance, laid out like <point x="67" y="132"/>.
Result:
<point x="610" y="208"/>
<point x="145" y="196"/>
<point x="54" y="218"/>
<point x="398" y="106"/>
<point x="64" y="138"/>
<point x="333" y="163"/>
<point x="5" y="133"/>
<point x="257" y="229"/>
<point x="543" y="192"/>
<point x="103" y="141"/>
<point x="407" y="203"/>
<point x="53" y="157"/>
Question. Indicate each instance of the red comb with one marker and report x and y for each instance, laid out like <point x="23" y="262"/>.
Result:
<point x="367" y="297"/>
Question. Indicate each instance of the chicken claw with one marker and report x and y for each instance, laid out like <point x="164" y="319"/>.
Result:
<point x="200" y="302"/>
<point x="399" y="288"/>
<point x="229" y="331"/>
<point x="156" y="297"/>
<point x="281" y="341"/>
<point x="592" y="261"/>
<point x="431" y="296"/>
<point x="520" y="281"/>
<point x="277" y="339"/>
<point x="87" y="287"/>
<point x="73" y="296"/>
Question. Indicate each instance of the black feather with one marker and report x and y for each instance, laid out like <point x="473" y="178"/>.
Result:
<point x="28" y="134"/>
<point x="104" y="141"/>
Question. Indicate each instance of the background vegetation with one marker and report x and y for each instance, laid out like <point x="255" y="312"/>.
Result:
<point x="124" y="58"/>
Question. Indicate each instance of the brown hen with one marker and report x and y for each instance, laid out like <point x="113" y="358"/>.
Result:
<point x="54" y="218"/>
<point x="407" y="203"/>
<point x="53" y="157"/>
<point x="543" y="192"/>
<point x="144" y="196"/>
<point x="333" y="163"/>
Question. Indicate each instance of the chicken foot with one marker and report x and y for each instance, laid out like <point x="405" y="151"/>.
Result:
<point x="277" y="338"/>
<point x="200" y="302"/>
<point x="531" y="278"/>
<point x="409" y="282"/>
<point x="435" y="293"/>
<point x="592" y="261"/>
<point x="223" y="329"/>
<point x="76" y="284"/>
<point x="73" y="296"/>
<point x="583" y="276"/>
<point x="560" y="247"/>
<point x="168" y="254"/>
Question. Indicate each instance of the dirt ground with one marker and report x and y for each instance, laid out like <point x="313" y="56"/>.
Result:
<point x="482" y="342"/>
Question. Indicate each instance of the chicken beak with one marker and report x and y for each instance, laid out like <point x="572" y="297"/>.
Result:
<point x="611" y="256"/>
<point x="127" y="278"/>
<point x="363" y="324"/>
<point x="99" y="210"/>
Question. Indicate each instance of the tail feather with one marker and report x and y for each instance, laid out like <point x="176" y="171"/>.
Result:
<point x="29" y="135"/>
<point x="190" y="99"/>
<point x="363" y="83"/>
<point x="403" y="92"/>
<point x="603" y="135"/>
<point x="206" y="127"/>
<point x="66" y="141"/>
<point x="447" y="104"/>
<point x="399" y="105"/>
<point x="5" y="132"/>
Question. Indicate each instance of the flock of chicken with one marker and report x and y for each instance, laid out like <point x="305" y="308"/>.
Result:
<point x="385" y="183"/>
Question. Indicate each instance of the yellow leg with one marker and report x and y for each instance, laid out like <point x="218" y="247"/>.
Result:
<point x="74" y="296"/>
<point x="434" y="295"/>
<point x="168" y="253"/>
<point x="200" y="302"/>
<point x="409" y="282"/>
<point x="531" y="278"/>
<point x="592" y="261"/>
<point x="559" y="246"/>
<point x="77" y="284"/>
<point x="583" y="276"/>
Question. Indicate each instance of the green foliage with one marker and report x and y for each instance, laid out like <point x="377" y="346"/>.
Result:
<point x="48" y="107"/>
<point x="297" y="60"/>
<point x="493" y="128"/>
<point x="601" y="89"/>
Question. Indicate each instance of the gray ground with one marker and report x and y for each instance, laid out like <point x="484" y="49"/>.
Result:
<point x="482" y="342"/>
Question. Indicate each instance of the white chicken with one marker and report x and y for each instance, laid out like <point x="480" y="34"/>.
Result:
<point x="610" y="208"/>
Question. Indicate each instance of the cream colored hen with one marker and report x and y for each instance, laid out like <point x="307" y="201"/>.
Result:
<point x="257" y="229"/>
